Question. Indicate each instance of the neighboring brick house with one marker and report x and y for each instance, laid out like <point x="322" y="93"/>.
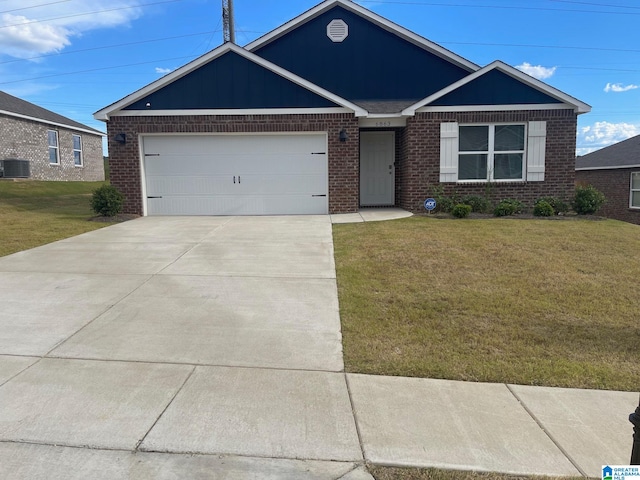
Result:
<point x="615" y="171"/>
<point x="55" y="147"/>
<point x="336" y="110"/>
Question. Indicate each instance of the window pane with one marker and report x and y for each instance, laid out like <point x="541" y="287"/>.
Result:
<point x="53" y="155"/>
<point x="77" y="159"/>
<point x="509" y="137"/>
<point x="474" y="139"/>
<point x="635" y="199"/>
<point x="472" y="167"/>
<point x="53" y="138"/>
<point x="635" y="181"/>
<point x="507" y="166"/>
<point x="77" y="144"/>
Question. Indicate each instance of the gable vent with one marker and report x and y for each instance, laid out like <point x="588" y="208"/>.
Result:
<point x="337" y="30"/>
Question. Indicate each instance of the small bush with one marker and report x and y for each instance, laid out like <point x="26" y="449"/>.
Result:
<point x="559" y="206"/>
<point x="107" y="201"/>
<point x="587" y="200"/>
<point x="509" y="206"/>
<point x="542" y="208"/>
<point x="444" y="203"/>
<point x="461" y="210"/>
<point x="478" y="204"/>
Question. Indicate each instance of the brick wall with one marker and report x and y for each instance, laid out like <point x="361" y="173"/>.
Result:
<point x="124" y="160"/>
<point x="419" y="167"/>
<point x="27" y="140"/>
<point x="616" y="187"/>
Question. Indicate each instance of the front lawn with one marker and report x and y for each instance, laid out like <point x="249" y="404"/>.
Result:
<point x="34" y="213"/>
<point x="533" y="302"/>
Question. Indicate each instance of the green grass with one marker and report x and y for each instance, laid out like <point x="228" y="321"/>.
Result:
<point x="533" y="302"/>
<point x="388" y="473"/>
<point x="34" y="213"/>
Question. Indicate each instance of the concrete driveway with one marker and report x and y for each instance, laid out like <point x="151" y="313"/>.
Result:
<point x="212" y="335"/>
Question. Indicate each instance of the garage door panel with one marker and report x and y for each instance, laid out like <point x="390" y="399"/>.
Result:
<point x="189" y="185"/>
<point x="233" y="205"/>
<point x="236" y="174"/>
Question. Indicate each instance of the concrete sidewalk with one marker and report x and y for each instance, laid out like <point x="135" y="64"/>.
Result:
<point x="166" y="348"/>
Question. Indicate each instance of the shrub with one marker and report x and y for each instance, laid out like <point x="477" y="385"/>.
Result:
<point x="509" y="206"/>
<point x="478" y="204"/>
<point x="461" y="210"/>
<point x="587" y="200"/>
<point x="542" y="208"/>
<point x="443" y="202"/>
<point x="558" y="205"/>
<point x="107" y="201"/>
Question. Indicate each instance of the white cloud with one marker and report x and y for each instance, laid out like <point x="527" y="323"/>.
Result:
<point x="50" y="27"/>
<point x="163" y="71"/>
<point x="602" y="134"/>
<point x="537" y="71"/>
<point x="618" y="87"/>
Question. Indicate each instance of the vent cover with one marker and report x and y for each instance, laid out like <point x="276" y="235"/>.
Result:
<point x="337" y="30"/>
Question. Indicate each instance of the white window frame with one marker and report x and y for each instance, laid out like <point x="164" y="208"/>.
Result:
<point x="491" y="152"/>
<point x="633" y="190"/>
<point x="78" y="151"/>
<point x="56" y="147"/>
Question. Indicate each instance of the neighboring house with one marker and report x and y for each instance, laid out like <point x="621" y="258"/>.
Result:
<point x="335" y="110"/>
<point x="55" y="147"/>
<point x="615" y="171"/>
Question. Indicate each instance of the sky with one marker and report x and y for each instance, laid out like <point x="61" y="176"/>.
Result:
<point x="75" y="57"/>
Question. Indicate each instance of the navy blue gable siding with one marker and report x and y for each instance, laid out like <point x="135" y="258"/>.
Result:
<point x="231" y="82"/>
<point x="370" y="64"/>
<point x="495" y="88"/>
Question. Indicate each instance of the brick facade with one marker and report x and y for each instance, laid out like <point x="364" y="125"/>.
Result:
<point x="616" y="187"/>
<point x="418" y="169"/>
<point x="417" y="153"/>
<point x="23" y="139"/>
<point x="124" y="159"/>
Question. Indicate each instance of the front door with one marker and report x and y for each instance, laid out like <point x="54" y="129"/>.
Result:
<point x="377" y="169"/>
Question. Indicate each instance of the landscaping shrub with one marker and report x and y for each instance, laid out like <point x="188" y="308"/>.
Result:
<point x="558" y="205"/>
<point x="107" y="201"/>
<point x="509" y="206"/>
<point x="587" y="200"/>
<point x="461" y="210"/>
<point x="542" y="208"/>
<point x="444" y="203"/>
<point x="478" y="204"/>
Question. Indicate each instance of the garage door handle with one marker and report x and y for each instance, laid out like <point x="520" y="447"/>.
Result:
<point x="154" y="197"/>
<point x="319" y="195"/>
<point x="234" y="179"/>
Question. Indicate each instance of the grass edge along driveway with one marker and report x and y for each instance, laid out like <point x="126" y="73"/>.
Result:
<point x="532" y="302"/>
<point x="34" y="213"/>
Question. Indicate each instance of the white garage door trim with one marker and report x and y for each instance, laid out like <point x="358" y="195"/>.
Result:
<point x="235" y="174"/>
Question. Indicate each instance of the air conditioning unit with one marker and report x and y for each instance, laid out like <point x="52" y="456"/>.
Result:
<point x="14" y="168"/>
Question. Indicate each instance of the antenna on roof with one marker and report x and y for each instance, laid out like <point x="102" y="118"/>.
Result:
<point x="229" y="32"/>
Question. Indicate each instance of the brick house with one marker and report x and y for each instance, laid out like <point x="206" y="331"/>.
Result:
<point x="615" y="171"/>
<point x="335" y="110"/>
<point x="42" y="145"/>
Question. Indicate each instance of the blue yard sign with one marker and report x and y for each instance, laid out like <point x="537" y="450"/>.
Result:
<point x="430" y="204"/>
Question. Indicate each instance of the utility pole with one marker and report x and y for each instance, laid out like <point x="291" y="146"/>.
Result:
<point x="229" y="32"/>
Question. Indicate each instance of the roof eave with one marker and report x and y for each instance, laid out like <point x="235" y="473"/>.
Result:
<point x="105" y="114"/>
<point x="578" y="106"/>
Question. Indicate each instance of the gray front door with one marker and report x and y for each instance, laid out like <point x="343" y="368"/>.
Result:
<point x="377" y="169"/>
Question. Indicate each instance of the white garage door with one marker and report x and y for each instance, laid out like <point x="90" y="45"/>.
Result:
<point x="236" y="174"/>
